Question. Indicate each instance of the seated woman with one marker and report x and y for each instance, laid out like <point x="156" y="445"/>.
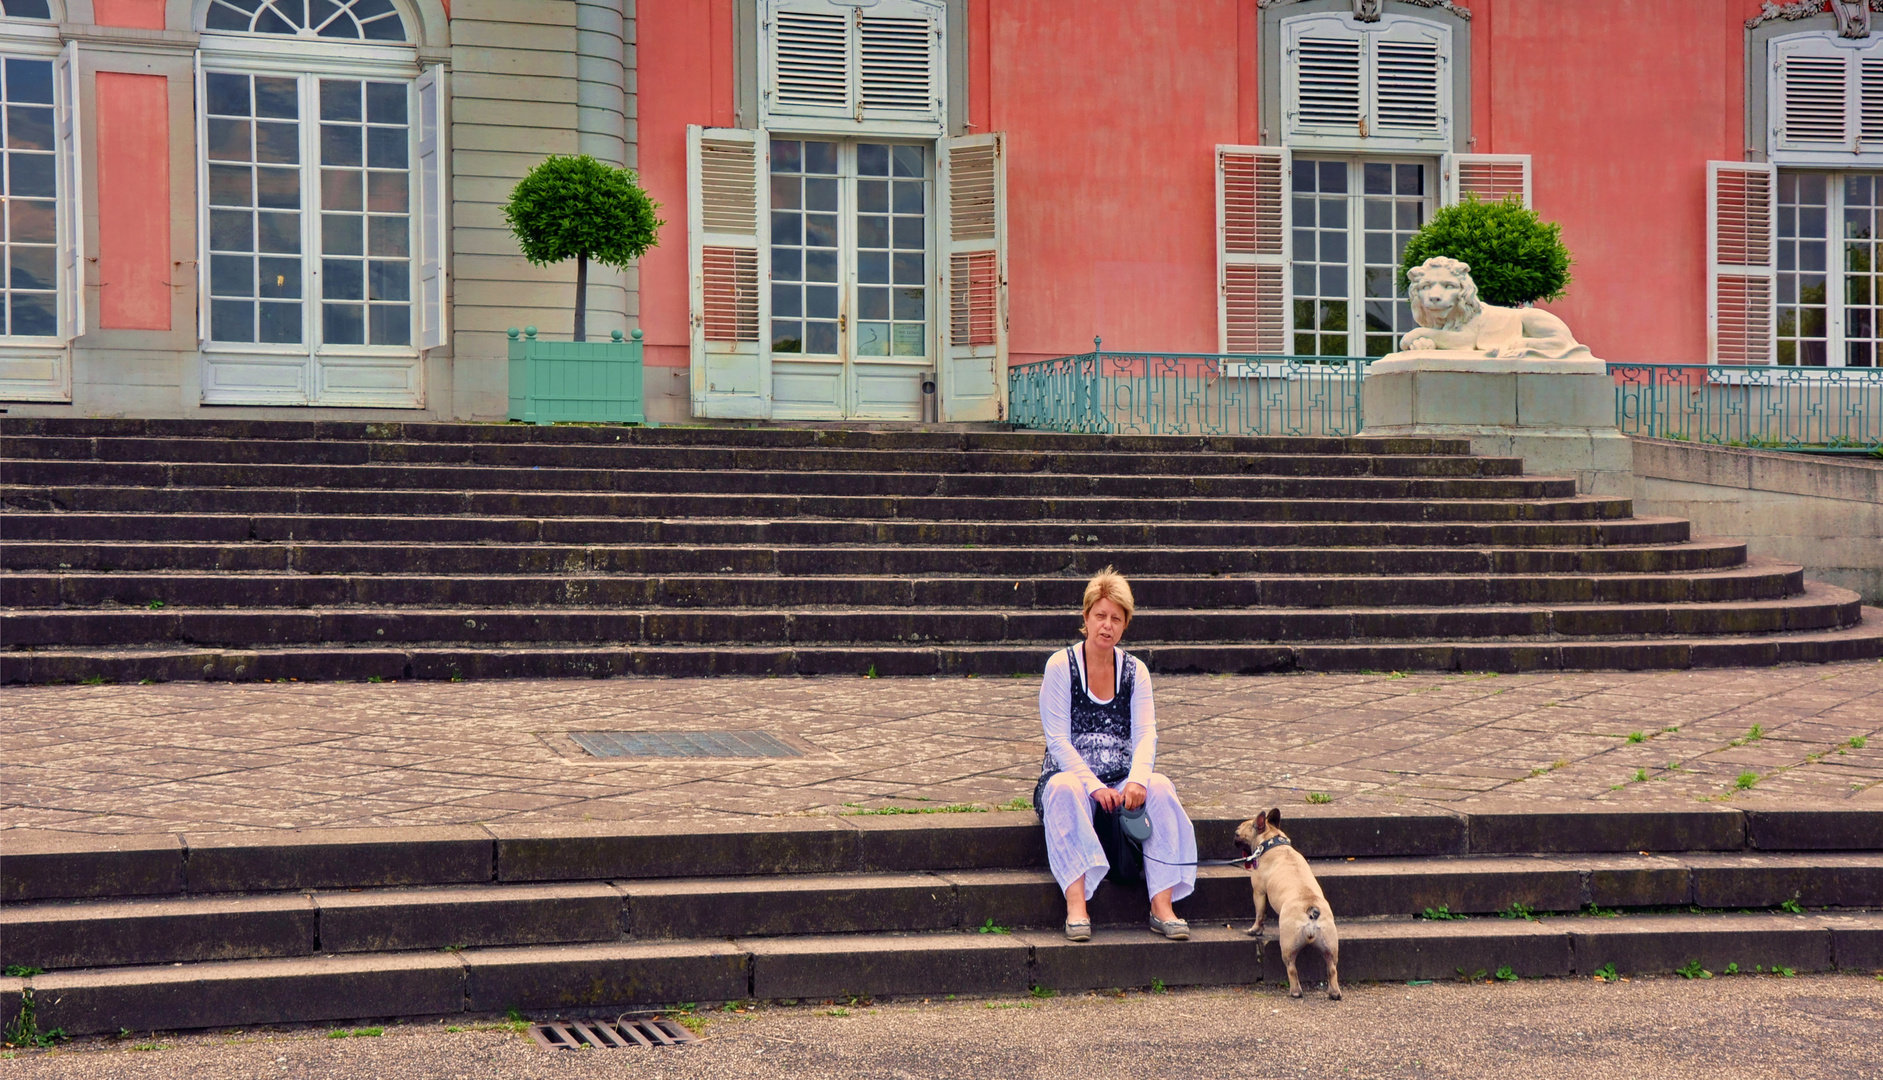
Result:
<point x="1101" y="743"/>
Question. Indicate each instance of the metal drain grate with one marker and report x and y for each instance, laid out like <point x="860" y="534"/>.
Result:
<point x="684" y="744"/>
<point x="609" y="1035"/>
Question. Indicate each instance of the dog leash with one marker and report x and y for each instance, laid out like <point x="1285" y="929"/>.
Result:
<point x="1246" y="861"/>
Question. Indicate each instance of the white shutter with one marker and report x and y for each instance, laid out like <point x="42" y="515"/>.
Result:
<point x="1491" y="177"/>
<point x="71" y="190"/>
<point x="433" y="218"/>
<point x="1812" y="94"/>
<point x="1741" y="232"/>
<point x="1325" y="65"/>
<point x="1252" y="240"/>
<point x="1870" y="103"/>
<point x="810" y="52"/>
<point x="971" y="183"/>
<point x="844" y="63"/>
<point x="202" y="210"/>
<point x="1409" y="81"/>
<point x="728" y="264"/>
<point x="1350" y="84"/>
<point x="899" y="62"/>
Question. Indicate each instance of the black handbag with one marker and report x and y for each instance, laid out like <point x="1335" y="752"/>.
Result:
<point x="1122" y="833"/>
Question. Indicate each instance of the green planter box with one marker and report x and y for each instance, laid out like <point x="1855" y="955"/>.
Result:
<point x="578" y="381"/>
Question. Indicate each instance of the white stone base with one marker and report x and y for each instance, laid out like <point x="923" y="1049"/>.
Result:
<point x="1557" y="415"/>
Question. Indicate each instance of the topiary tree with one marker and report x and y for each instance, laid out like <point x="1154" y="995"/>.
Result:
<point x="1515" y="256"/>
<point x="578" y="208"/>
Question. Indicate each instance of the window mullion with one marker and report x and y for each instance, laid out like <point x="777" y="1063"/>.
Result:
<point x="310" y="221"/>
<point x="1356" y="258"/>
<point x="1834" y="287"/>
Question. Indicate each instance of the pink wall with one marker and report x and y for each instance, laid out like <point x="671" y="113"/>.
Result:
<point x="685" y="78"/>
<point x="133" y="124"/>
<point x="137" y="14"/>
<point x="1622" y="103"/>
<point x="1112" y="109"/>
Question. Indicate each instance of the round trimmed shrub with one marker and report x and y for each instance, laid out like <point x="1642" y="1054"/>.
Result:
<point x="1515" y="256"/>
<point x="574" y="207"/>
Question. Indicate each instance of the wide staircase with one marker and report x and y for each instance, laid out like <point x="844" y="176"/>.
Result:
<point x="195" y="930"/>
<point x="167" y="550"/>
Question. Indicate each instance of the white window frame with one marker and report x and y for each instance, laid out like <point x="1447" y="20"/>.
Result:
<point x="309" y="61"/>
<point x="40" y="368"/>
<point x="1835" y="353"/>
<point x="1356" y="233"/>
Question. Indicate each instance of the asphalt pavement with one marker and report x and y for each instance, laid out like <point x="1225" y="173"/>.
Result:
<point x="1822" y="1027"/>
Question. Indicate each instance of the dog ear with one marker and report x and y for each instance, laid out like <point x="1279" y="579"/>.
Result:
<point x="1261" y="822"/>
<point x="1274" y="817"/>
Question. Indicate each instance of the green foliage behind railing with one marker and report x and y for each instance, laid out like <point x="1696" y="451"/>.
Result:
<point x="1165" y="393"/>
<point x="1827" y="410"/>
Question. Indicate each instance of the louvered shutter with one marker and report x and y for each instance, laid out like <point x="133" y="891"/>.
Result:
<point x="1252" y="235"/>
<point x="898" y="62"/>
<point x="433" y="219"/>
<point x="1387" y="82"/>
<point x="1741" y="249"/>
<point x="71" y="191"/>
<point x="1325" y="64"/>
<point x="1409" y="81"/>
<point x="728" y="270"/>
<point x="811" y="59"/>
<point x="1813" y="95"/>
<point x="848" y="64"/>
<point x="971" y="176"/>
<point x="1490" y="177"/>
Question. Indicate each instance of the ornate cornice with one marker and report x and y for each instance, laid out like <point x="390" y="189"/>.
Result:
<point x="1794" y="10"/>
<point x="1447" y="6"/>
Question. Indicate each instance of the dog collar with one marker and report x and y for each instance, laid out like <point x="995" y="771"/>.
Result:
<point x="1271" y="842"/>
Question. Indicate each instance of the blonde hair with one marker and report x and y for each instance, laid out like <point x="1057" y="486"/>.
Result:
<point x="1109" y="584"/>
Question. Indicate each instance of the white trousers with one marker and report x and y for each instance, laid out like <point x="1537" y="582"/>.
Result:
<point x="1073" y="850"/>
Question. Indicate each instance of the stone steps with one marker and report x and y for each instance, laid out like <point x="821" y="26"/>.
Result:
<point x="204" y="930"/>
<point x="328" y="662"/>
<point x="586" y="979"/>
<point x="1819" y="607"/>
<point x="1673" y="556"/>
<point x="1758" y="580"/>
<point x="119" y="933"/>
<point x="274" y="513"/>
<point x="1110" y="486"/>
<point x="277" y="549"/>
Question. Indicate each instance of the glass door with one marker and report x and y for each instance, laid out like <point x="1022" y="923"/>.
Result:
<point x="1352" y="220"/>
<point x="851" y="316"/>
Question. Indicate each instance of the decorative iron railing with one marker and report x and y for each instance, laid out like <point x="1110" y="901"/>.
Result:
<point x="1163" y="393"/>
<point x="1825" y="410"/>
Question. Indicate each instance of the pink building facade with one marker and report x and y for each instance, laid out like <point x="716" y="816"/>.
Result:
<point x="875" y="207"/>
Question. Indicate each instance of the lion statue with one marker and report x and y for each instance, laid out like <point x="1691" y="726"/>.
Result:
<point x="1445" y="305"/>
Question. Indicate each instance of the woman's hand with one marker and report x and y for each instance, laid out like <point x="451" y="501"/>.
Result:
<point x="1111" y="799"/>
<point x="1133" y="795"/>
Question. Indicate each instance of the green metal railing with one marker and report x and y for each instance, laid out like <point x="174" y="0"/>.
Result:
<point x="1164" y="393"/>
<point x="1823" y="410"/>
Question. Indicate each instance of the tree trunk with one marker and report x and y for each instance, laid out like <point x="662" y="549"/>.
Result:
<point x="581" y="298"/>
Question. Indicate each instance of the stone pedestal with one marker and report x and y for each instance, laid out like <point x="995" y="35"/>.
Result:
<point x="1557" y="415"/>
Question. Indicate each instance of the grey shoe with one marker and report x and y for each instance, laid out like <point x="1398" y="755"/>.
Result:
<point x="1174" y="929"/>
<point x="1079" y="931"/>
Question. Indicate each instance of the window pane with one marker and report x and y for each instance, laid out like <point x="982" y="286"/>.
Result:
<point x="32" y="175"/>
<point x="280" y="323"/>
<point x="232" y="320"/>
<point x="390" y="324"/>
<point x="389" y="280"/>
<point x="385" y="103"/>
<point x="340" y="279"/>
<point x="343" y="324"/>
<point x="277" y="97"/>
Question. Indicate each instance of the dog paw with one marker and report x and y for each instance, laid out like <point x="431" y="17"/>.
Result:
<point x="1333" y="995"/>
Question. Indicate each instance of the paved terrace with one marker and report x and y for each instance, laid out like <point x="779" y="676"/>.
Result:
<point x="122" y="759"/>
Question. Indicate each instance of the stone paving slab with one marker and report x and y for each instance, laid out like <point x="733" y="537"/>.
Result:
<point x="118" y="759"/>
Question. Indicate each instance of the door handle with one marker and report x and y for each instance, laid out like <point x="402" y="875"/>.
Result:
<point x="843" y="323"/>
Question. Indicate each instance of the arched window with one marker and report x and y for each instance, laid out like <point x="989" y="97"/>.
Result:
<point x="323" y="203"/>
<point x="369" y="20"/>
